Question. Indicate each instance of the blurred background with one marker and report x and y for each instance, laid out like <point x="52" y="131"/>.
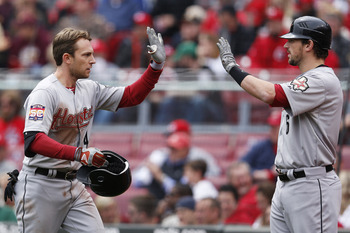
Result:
<point x="231" y="128"/>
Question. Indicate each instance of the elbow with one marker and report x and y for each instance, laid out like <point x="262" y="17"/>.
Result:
<point x="268" y="97"/>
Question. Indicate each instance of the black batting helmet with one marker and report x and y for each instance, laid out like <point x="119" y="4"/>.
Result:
<point x="311" y="28"/>
<point x="112" y="180"/>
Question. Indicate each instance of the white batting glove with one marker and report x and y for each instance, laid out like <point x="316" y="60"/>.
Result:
<point x="156" y="47"/>
<point x="227" y="59"/>
<point x="90" y="156"/>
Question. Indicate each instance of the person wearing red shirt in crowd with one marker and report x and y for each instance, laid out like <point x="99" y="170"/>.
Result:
<point x="247" y="210"/>
<point x="267" y="49"/>
<point x="12" y="124"/>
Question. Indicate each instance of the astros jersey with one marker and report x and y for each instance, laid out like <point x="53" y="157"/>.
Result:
<point x="310" y="127"/>
<point x="64" y="116"/>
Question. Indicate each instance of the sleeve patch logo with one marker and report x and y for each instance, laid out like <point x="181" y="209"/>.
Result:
<point x="36" y="112"/>
<point x="300" y="84"/>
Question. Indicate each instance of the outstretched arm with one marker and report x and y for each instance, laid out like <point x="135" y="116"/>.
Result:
<point x="261" y="89"/>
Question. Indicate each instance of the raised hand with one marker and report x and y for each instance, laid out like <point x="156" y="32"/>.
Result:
<point x="156" y="47"/>
<point x="227" y="59"/>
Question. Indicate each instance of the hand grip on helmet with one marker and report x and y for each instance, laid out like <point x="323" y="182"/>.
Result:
<point x="156" y="48"/>
<point x="90" y="156"/>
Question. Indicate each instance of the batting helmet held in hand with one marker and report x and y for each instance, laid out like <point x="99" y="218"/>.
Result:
<point x="311" y="28"/>
<point x="109" y="181"/>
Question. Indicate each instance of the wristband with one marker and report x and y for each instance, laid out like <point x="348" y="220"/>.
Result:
<point x="238" y="74"/>
<point x="157" y="66"/>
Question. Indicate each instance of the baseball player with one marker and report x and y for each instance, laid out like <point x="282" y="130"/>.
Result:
<point x="308" y="191"/>
<point x="59" y="116"/>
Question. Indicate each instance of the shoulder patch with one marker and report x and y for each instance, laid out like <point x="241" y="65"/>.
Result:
<point x="300" y="84"/>
<point x="36" y="112"/>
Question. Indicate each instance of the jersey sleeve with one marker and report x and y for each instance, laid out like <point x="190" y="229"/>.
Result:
<point x="304" y="93"/>
<point x="39" y="110"/>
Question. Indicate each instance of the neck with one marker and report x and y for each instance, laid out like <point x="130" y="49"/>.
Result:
<point x="311" y="64"/>
<point x="65" y="77"/>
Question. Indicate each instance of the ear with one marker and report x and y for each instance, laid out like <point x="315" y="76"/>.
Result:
<point x="67" y="58"/>
<point x="309" y="46"/>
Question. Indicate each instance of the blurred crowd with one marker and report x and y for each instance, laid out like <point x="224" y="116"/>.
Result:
<point x="190" y="29"/>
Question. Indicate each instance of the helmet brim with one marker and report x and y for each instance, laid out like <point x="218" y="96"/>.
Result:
<point x="291" y="35"/>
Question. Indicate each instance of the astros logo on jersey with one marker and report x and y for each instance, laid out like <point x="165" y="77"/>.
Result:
<point x="300" y="84"/>
<point x="36" y="112"/>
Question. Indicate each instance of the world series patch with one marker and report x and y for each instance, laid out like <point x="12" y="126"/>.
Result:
<point x="36" y="112"/>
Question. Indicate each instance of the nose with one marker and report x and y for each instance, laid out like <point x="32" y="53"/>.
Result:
<point x="93" y="61"/>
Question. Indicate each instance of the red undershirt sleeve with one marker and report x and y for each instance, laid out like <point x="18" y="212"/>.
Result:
<point x="280" y="98"/>
<point x="46" y="146"/>
<point x="135" y="93"/>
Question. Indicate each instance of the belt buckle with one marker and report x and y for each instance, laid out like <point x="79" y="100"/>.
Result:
<point x="70" y="175"/>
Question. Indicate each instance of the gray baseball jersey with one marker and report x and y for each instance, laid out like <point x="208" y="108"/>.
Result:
<point x="307" y="141"/>
<point x="310" y="127"/>
<point x="66" y="117"/>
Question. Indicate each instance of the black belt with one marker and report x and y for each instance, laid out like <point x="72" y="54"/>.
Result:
<point x="70" y="175"/>
<point x="300" y="174"/>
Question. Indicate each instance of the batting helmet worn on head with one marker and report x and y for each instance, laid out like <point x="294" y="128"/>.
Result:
<point x="311" y="28"/>
<point x="109" y="181"/>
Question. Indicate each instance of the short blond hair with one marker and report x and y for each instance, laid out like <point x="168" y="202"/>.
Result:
<point x="64" y="42"/>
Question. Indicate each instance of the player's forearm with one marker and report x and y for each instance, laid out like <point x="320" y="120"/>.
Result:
<point x="135" y="93"/>
<point x="44" y="145"/>
<point x="261" y="89"/>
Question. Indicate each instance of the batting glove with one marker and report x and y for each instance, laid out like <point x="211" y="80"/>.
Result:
<point x="227" y="59"/>
<point x="156" y="47"/>
<point x="90" y="156"/>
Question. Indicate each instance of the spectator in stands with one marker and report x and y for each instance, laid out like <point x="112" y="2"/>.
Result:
<point x="261" y="156"/>
<point x="207" y="211"/>
<point x="84" y="16"/>
<point x="5" y="45"/>
<point x="166" y="209"/>
<point x="120" y="13"/>
<point x="264" y="195"/>
<point x="228" y="199"/>
<point x="239" y="36"/>
<point x="239" y="175"/>
<point x="6" y="165"/>
<point x="267" y="50"/>
<point x="190" y="25"/>
<point x="12" y="125"/>
<point x="28" y="43"/>
<point x="132" y="52"/>
<point x="344" y="217"/>
<point x="142" y="209"/>
<point x="194" y="175"/>
<point x="108" y="209"/>
<point x="7" y="213"/>
<point x="340" y="37"/>
<point x="194" y="106"/>
<point x="167" y="16"/>
<point x="164" y="166"/>
<point x="185" y="211"/>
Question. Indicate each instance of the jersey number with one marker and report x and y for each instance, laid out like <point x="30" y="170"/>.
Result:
<point x="86" y="140"/>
